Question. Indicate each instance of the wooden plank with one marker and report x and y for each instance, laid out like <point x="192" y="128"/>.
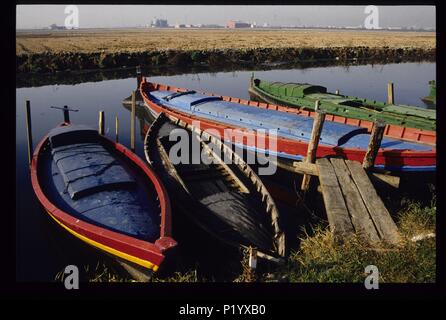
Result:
<point x="337" y="212"/>
<point x="306" y="168"/>
<point x="299" y="167"/>
<point x="384" y="223"/>
<point x="392" y="181"/>
<point x="359" y="215"/>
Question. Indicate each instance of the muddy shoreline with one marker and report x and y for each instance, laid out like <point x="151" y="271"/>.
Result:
<point x="51" y="62"/>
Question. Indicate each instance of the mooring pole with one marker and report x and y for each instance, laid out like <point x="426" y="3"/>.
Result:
<point x="132" y="123"/>
<point x="29" y="131"/>
<point x="318" y="123"/>
<point x="66" y="114"/>
<point x="117" y="129"/>
<point x="138" y="77"/>
<point x="390" y="93"/>
<point x="101" y="122"/>
<point x="337" y="92"/>
<point x="374" y="144"/>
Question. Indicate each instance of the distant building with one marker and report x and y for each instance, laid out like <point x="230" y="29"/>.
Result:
<point x="178" y="26"/>
<point x="56" y="27"/>
<point x="159" y="23"/>
<point x="211" y="26"/>
<point x="237" y="24"/>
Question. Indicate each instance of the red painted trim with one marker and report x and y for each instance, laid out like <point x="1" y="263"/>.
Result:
<point x="388" y="157"/>
<point x="152" y="252"/>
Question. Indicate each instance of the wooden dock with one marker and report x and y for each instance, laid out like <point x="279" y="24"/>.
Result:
<point x="351" y="201"/>
<point x="352" y="204"/>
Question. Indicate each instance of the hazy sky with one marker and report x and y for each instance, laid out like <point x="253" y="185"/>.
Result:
<point x="106" y="16"/>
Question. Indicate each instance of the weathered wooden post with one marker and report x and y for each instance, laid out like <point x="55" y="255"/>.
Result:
<point x="318" y="123"/>
<point x="66" y="114"/>
<point x="101" y="122"/>
<point x="29" y="131"/>
<point x="337" y="92"/>
<point x="117" y="128"/>
<point x="138" y="77"/>
<point x="132" y="122"/>
<point x="390" y="96"/>
<point x="376" y="137"/>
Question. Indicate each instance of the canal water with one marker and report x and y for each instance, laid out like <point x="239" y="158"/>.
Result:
<point x="42" y="250"/>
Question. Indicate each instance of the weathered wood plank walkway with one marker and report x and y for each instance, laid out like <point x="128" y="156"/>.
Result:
<point x="352" y="204"/>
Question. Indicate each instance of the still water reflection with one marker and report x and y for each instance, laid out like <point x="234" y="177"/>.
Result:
<point x="42" y="251"/>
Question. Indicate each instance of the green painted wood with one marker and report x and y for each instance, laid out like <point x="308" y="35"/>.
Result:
<point x="303" y="95"/>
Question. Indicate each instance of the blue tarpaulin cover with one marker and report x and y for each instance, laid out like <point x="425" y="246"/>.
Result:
<point x="88" y="181"/>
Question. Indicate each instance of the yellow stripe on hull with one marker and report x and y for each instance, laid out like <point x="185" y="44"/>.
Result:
<point x="103" y="247"/>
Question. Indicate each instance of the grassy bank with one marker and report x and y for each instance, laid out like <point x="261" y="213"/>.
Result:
<point x="319" y="259"/>
<point x="49" y="51"/>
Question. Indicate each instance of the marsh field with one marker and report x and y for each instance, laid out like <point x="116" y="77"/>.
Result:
<point x="138" y="40"/>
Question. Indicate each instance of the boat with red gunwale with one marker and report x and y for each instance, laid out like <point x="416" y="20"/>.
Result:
<point x="402" y="149"/>
<point x="105" y="195"/>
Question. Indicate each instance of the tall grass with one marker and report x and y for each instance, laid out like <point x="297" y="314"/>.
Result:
<point x="320" y="259"/>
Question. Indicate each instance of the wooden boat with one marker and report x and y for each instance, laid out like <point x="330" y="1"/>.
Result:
<point x="228" y="200"/>
<point x="303" y="96"/>
<point x="103" y="194"/>
<point x="431" y="99"/>
<point x="402" y="149"/>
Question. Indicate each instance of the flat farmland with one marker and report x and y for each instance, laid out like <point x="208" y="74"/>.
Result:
<point x="142" y="40"/>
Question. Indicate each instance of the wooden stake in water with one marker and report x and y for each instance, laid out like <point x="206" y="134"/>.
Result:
<point x="132" y="123"/>
<point x="101" y="122"/>
<point x="138" y="77"/>
<point x="390" y="93"/>
<point x="337" y="92"/>
<point x="313" y="144"/>
<point x="29" y="131"/>
<point x="66" y="114"/>
<point x="117" y="129"/>
<point x="374" y="144"/>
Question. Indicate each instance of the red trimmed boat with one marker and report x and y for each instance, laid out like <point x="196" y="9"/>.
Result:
<point x="105" y="195"/>
<point x="402" y="149"/>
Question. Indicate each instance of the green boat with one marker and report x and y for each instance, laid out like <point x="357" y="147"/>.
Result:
<point x="431" y="99"/>
<point x="303" y="96"/>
